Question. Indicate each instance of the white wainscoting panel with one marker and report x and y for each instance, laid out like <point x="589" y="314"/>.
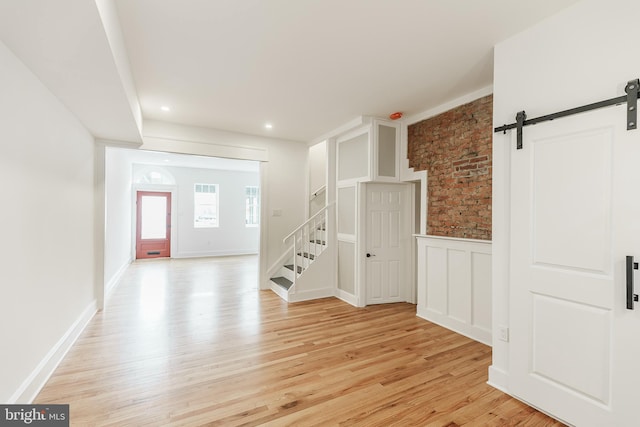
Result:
<point x="454" y="284"/>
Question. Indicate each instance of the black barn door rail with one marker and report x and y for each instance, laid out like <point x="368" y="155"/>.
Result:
<point x="631" y="98"/>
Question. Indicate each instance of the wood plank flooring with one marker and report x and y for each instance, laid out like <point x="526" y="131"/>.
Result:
<point x="191" y="342"/>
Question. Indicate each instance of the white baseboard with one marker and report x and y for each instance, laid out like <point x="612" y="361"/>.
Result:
<point x="279" y="290"/>
<point x="347" y="297"/>
<point x="498" y="379"/>
<point x="470" y="331"/>
<point x="311" y="294"/>
<point x="115" y="279"/>
<point x="205" y="254"/>
<point x="40" y="375"/>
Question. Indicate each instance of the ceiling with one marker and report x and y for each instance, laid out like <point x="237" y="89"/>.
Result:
<point x="305" y="66"/>
<point x="65" y="44"/>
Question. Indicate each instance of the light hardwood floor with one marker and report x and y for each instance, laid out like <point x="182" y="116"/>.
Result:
<point x="191" y="342"/>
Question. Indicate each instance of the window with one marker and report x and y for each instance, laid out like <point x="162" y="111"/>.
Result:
<point x="205" y="212"/>
<point x="252" y="206"/>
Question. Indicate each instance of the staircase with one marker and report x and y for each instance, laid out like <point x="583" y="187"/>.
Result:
<point x="300" y="278"/>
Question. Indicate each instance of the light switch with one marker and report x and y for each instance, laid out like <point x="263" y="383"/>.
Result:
<point x="504" y="333"/>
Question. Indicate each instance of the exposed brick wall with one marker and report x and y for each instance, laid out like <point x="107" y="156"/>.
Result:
<point x="455" y="150"/>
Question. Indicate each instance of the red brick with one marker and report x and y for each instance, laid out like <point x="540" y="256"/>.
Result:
<point x="478" y="159"/>
<point x="455" y="148"/>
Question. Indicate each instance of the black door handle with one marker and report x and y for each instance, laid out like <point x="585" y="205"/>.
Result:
<point x="369" y="255"/>
<point x="631" y="297"/>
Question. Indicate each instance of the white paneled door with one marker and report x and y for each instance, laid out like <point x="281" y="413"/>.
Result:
<point x="575" y="216"/>
<point x="388" y="234"/>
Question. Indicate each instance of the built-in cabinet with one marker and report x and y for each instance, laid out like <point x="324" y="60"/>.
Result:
<point x="386" y="151"/>
<point x="368" y="153"/>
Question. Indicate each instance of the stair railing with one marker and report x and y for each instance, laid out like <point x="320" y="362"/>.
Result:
<point x="318" y="192"/>
<point x="306" y="242"/>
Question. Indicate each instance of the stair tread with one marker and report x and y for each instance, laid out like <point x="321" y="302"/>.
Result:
<point x="290" y="267"/>
<point x="282" y="281"/>
<point x="320" y="242"/>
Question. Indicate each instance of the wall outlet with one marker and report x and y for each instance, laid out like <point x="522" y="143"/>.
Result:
<point x="504" y="333"/>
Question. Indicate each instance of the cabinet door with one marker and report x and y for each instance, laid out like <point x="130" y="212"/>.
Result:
<point x="386" y="151"/>
<point x="353" y="156"/>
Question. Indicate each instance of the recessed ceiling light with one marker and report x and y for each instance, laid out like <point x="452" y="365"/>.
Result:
<point x="268" y="126"/>
<point x="165" y="108"/>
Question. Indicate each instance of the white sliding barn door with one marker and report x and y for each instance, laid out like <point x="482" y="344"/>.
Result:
<point x="575" y="215"/>
<point x="387" y="235"/>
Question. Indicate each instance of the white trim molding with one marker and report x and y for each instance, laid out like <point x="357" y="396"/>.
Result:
<point x="311" y="294"/>
<point x="347" y="297"/>
<point x="498" y="379"/>
<point x="31" y="386"/>
<point x="221" y="253"/>
<point x="113" y="282"/>
<point x="341" y="130"/>
<point x="181" y="146"/>
<point x="454" y="284"/>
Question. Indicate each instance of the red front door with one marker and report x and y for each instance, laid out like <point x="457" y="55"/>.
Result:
<point x="153" y="231"/>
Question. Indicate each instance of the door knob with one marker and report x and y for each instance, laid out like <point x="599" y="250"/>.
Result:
<point x="369" y="255"/>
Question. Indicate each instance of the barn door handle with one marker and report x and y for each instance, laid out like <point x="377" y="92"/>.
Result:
<point x="631" y="297"/>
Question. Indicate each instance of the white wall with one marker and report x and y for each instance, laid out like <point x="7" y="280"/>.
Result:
<point x="47" y="253"/>
<point x="232" y="236"/>
<point x="283" y="185"/>
<point x="317" y="177"/>
<point x="582" y="55"/>
<point x="352" y="162"/>
<point x="317" y="166"/>
<point x="118" y="231"/>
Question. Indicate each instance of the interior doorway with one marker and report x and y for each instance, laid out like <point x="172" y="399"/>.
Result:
<point x="122" y="172"/>
<point x="153" y="224"/>
<point x="387" y="241"/>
